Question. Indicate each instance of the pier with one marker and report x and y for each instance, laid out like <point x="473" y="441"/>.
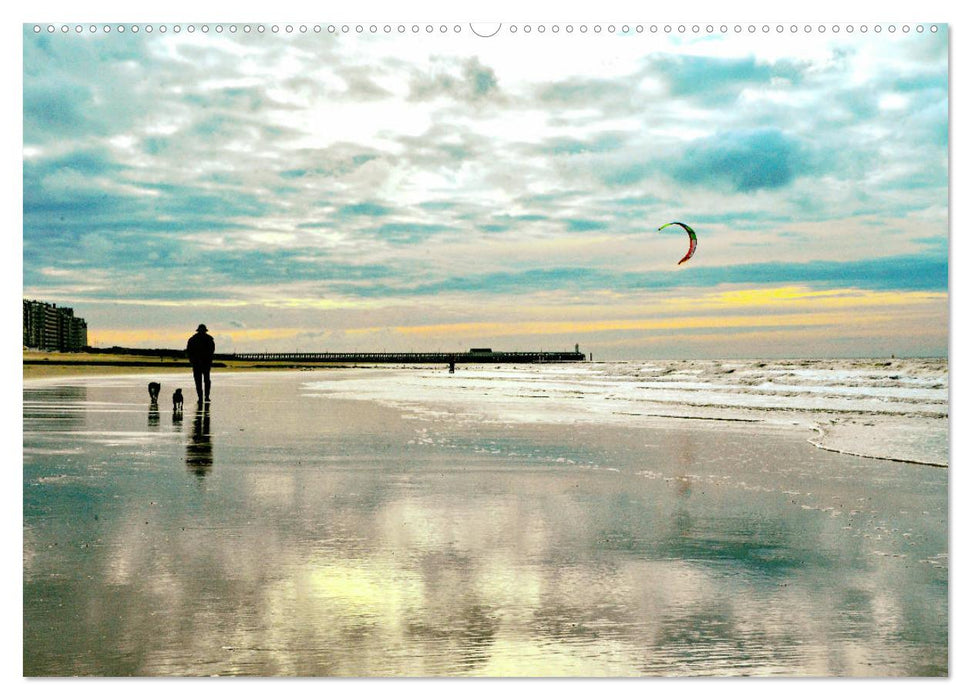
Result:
<point x="170" y="356"/>
<point x="475" y="355"/>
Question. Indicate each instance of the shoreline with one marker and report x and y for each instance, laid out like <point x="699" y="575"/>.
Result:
<point x="905" y="460"/>
<point x="41" y="367"/>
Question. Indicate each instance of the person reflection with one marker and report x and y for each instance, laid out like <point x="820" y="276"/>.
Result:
<point x="198" y="450"/>
<point x="686" y="463"/>
<point x="153" y="416"/>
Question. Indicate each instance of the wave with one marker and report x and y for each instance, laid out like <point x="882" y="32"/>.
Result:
<point x="887" y="409"/>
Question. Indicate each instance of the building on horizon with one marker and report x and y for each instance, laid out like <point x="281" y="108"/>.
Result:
<point x="50" y="327"/>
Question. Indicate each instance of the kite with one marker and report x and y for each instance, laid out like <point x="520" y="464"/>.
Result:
<point x="691" y="235"/>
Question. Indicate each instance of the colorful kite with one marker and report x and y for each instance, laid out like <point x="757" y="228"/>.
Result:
<point x="691" y="235"/>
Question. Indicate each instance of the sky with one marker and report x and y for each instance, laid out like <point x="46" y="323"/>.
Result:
<point x="317" y="191"/>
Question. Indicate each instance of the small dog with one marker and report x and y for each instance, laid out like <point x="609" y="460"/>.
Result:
<point x="177" y="400"/>
<point x="153" y="389"/>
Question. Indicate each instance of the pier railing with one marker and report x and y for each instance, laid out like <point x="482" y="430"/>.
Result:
<point x="483" y="355"/>
<point x="408" y="357"/>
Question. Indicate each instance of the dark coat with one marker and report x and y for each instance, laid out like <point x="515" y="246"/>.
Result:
<point x="200" y="349"/>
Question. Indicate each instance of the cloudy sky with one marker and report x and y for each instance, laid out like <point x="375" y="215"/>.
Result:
<point x="316" y="191"/>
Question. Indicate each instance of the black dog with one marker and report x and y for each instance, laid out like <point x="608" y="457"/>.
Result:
<point x="177" y="400"/>
<point x="153" y="389"/>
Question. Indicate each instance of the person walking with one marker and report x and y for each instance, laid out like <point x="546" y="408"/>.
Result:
<point x="200" y="349"/>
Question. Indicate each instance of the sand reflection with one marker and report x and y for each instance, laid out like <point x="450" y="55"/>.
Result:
<point x="330" y="542"/>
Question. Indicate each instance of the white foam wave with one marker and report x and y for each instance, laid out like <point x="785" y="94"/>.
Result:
<point x="893" y="409"/>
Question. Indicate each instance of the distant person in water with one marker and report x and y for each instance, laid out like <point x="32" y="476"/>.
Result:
<point x="200" y="349"/>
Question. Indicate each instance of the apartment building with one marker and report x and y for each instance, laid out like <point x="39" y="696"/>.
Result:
<point x="50" y="327"/>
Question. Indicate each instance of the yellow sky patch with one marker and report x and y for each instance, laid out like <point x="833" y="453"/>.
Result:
<point x="761" y="307"/>
<point x="559" y="327"/>
<point x="773" y="297"/>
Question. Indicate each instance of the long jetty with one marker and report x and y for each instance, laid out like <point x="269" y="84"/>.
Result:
<point x="409" y="357"/>
<point x="484" y="355"/>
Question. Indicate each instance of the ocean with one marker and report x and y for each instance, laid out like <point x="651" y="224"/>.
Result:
<point x="885" y="408"/>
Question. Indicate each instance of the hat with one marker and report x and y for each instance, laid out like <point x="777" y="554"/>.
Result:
<point x="202" y="328"/>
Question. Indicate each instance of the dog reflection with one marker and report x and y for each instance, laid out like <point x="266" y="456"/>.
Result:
<point x="198" y="450"/>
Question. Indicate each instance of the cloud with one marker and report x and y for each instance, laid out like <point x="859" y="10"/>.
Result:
<point x="363" y="209"/>
<point x="906" y="272"/>
<point x="360" y="84"/>
<point x="482" y="79"/>
<point x="923" y="272"/>
<point x="51" y="109"/>
<point x="718" y="80"/>
<point x="729" y="161"/>
<point x="399" y="232"/>
<point x="466" y="81"/>
<point x="596" y="92"/>
<point x="744" y="161"/>
<point x="57" y="104"/>
<point x="596" y="143"/>
<point x="579" y="225"/>
<point x="335" y="161"/>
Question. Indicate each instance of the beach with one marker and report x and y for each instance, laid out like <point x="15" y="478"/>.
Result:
<point x="588" y="520"/>
<point x="40" y="364"/>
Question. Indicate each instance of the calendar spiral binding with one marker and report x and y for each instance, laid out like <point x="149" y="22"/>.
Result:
<point x="487" y="30"/>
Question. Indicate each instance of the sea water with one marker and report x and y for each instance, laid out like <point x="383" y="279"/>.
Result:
<point x="885" y="408"/>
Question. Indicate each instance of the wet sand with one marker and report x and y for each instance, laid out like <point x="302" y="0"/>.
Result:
<point x="286" y="533"/>
<point x="38" y="364"/>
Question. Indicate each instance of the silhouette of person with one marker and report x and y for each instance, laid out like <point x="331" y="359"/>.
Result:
<point x="200" y="349"/>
